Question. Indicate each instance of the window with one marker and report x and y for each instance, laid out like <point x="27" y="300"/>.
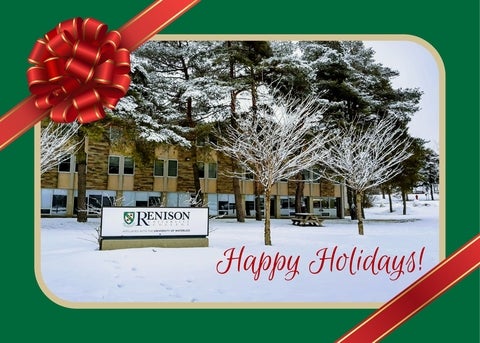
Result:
<point x="59" y="203"/>
<point x="121" y="165"/>
<point x="54" y="201"/>
<point x="312" y="175"/>
<point x="108" y="201"/>
<point x="64" y="166"/>
<point x="325" y="203"/>
<point x="67" y="164"/>
<point x="307" y="175"/>
<point x="154" y="201"/>
<point x="158" y="166"/>
<point x="128" y="165"/>
<point x="248" y="175"/>
<point x="172" y="168"/>
<point x="226" y="204"/>
<point x="316" y="175"/>
<point x="201" y="170"/>
<point x="212" y="170"/>
<point x="114" y="164"/>
<point x="287" y="206"/>
<point x="95" y="201"/>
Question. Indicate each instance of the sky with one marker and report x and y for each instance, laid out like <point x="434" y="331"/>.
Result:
<point x="418" y="69"/>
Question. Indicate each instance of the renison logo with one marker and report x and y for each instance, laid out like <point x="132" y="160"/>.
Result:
<point x="149" y="218"/>
<point x="154" y="221"/>
<point x="128" y="218"/>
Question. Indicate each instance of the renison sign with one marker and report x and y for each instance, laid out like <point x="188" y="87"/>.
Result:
<point x="154" y="221"/>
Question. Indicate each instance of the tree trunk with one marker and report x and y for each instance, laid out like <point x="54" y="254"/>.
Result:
<point x="299" y="191"/>
<point x="198" y="189"/>
<point x="351" y="203"/>
<point x="196" y="177"/>
<point x="404" y="202"/>
<point x="193" y="151"/>
<point x="267" y="235"/>
<point x="258" y="205"/>
<point x="390" y="203"/>
<point x="359" y="199"/>
<point x="81" y="157"/>
<point x="431" y="191"/>
<point x="239" y="205"/>
<point x="258" y="193"/>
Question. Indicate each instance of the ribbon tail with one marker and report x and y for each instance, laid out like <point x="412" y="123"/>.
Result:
<point x="151" y="20"/>
<point x="19" y="120"/>
<point x="418" y="295"/>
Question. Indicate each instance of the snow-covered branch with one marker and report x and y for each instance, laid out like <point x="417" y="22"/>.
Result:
<point x="369" y="157"/>
<point x="57" y="143"/>
<point x="277" y="143"/>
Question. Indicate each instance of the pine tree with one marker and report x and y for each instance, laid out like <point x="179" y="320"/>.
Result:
<point x="411" y="171"/>
<point x="430" y="172"/>
<point x="174" y="97"/>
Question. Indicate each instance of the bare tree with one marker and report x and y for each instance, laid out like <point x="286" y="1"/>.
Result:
<point x="276" y="144"/>
<point x="57" y="142"/>
<point x="367" y="157"/>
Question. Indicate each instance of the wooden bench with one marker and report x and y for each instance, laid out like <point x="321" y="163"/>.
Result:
<point x="306" y="219"/>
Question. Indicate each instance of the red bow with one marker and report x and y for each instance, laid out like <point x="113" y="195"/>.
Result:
<point x="78" y="69"/>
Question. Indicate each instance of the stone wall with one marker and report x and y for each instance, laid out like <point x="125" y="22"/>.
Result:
<point x="50" y="179"/>
<point x="143" y="177"/>
<point x="97" y="164"/>
<point x="185" y="181"/>
<point x="327" y="189"/>
<point x="97" y="172"/>
<point x="224" y="183"/>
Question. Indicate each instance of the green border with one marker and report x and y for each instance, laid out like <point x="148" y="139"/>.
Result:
<point x="452" y="29"/>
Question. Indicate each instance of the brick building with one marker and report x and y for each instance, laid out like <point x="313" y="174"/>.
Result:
<point x="114" y="178"/>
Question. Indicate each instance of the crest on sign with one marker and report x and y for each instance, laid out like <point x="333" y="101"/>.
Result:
<point x="129" y="217"/>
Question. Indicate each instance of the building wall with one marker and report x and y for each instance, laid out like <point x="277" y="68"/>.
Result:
<point x="143" y="187"/>
<point x="97" y="166"/>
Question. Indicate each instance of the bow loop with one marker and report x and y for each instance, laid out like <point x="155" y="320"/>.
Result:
<point x="77" y="69"/>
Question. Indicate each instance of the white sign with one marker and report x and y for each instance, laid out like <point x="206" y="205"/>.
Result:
<point x="154" y="221"/>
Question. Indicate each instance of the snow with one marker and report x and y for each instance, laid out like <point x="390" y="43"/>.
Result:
<point x="73" y="272"/>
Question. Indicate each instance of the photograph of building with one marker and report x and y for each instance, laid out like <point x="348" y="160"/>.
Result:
<point x="115" y="179"/>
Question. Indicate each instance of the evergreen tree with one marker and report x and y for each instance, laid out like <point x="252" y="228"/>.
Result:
<point x="411" y="171"/>
<point x="430" y="172"/>
<point x="175" y="97"/>
<point x="358" y="89"/>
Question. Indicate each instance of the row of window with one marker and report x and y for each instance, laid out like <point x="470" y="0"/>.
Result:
<point x="124" y="165"/>
<point x="54" y="202"/>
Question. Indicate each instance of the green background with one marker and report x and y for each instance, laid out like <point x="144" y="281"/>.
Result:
<point x="451" y="28"/>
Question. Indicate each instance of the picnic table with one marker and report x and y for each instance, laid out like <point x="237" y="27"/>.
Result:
<point x="306" y="219"/>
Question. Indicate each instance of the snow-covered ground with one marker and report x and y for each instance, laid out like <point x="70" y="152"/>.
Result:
<point x="329" y="266"/>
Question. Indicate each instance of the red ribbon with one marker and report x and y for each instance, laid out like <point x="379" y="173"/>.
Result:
<point x="78" y="69"/>
<point x="418" y="295"/>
